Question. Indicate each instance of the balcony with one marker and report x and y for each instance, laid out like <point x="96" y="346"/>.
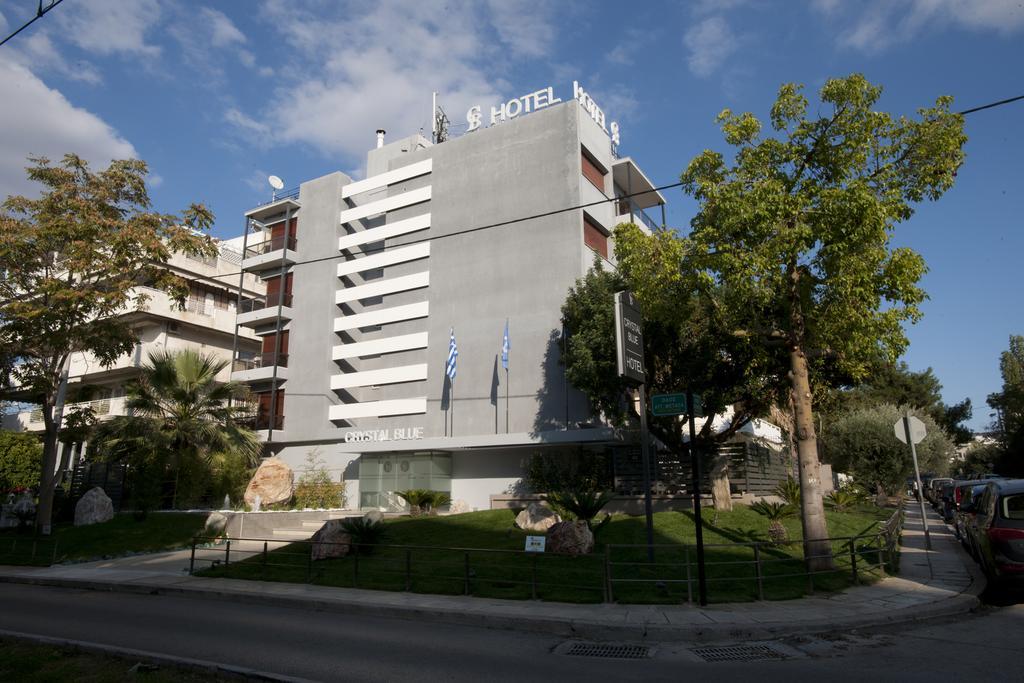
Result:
<point x="258" y="312"/>
<point x="261" y="424"/>
<point x="260" y="368"/>
<point x="32" y="420"/>
<point x="270" y="253"/>
<point x="626" y="211"/>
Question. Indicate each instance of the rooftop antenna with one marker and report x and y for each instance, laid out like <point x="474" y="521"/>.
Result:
<point x="439" y="123"/>
<point x="277" y="184"/>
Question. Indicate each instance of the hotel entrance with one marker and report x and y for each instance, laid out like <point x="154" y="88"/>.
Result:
<point x="381" y="475"/>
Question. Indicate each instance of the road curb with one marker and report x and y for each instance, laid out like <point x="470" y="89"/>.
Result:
<point x="962" y="603"/>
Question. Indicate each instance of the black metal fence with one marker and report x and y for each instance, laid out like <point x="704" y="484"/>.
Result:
<point x="735" y="571"/>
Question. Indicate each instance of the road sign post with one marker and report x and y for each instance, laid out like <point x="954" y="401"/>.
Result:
<point x="629" y="341"/>
<point x="698" y="522"/>
<point x="911" y="430"/>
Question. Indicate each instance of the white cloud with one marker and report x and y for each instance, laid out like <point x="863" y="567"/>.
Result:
<point x="107" y="27"/>
<point x="375" y="66"/>
<point x="223" y="31"/>
<point x="45" y="124"/>
<point x="204" y="37"/>
<point x="710" y="43"/>
<point x="37" y="52"/>
<point x="881" y="23"/>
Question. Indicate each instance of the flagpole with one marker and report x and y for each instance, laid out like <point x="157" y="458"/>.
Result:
<point x="506" y="400"/>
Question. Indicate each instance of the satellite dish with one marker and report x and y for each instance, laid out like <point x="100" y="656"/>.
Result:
<point x="275" y="182"/>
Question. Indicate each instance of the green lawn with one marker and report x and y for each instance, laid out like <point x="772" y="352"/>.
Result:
<point x="482" y="556"/>
<point x="20" y="661"/>
<point x="122" y="535"/>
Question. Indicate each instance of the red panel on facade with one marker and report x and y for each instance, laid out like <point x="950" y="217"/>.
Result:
<point x="591" y="172"/>
<point x="594" y="237"/>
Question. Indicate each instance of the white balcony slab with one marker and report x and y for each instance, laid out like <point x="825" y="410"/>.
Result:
<point x="262" y="316"/>
<point x="383" y="287"/>
<point x="369" y="378"/>
<point x="397" y="201"/>
<point x="403" y="227"/>
<point x="388" y="257"/>
<point x="404" y="406"/>
<point x="389" y="178"/>
<point x="272" y="259"/>
<point x="376" y="347"/>
<point x="382" y="316"/>
<point x="263" y="374"/>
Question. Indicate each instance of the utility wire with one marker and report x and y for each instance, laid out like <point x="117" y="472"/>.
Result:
<point x="39" y="15"/>
<point x="466" y="231"/>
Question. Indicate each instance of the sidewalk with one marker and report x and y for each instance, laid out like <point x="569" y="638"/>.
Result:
<point x="937" y="583"/>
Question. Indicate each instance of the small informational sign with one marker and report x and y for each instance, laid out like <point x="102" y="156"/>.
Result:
<point x="629" y="337"/>
<point x="915" y="426"/>
<point x="669" y="404"/>
<point x="535" y="544"/>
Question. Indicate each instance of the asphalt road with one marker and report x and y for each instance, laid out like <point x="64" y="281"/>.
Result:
<point x="330" y="646"/>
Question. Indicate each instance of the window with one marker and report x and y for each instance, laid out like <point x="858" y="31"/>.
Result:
<point x="594" y="237"/>
<point x="591" y="171"/>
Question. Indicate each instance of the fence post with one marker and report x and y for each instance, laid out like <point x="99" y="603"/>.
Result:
<point x="264" y="569"/>
<point x="408" y="569"/>
<point x="355" y="566"/>
<point x="192" y="560"/>
<point x="810" y="577"/>
<point x="533" y="576"/>
<point x="880" y="555"/>
<point x="689" y="578"/>
<point x="309" y="564"/>
<point x="466" y="573"/>
<point x="53" y="559"/>
<point x="607" y="573"/>
<point x="853" y="558"/>
<point x="33" y="557"/>
<point x="227" y="553"/>
<point x="757" y="568"/>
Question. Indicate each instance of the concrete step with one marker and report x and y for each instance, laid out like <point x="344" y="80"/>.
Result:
<point x="294" y="534"/>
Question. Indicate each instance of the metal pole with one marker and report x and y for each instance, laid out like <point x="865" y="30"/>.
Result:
<point x="506" y="400"/>
<point x="917" y="476"/>
<point x="645" y="450"/>
<point x="702" y="585"/>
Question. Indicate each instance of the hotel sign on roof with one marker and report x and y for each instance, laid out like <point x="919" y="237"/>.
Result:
<point x="538" y="100"/>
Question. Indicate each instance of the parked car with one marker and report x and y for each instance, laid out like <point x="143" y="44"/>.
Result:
<point x="997" y="534"/>
<point x="945" y="503"/>
<point x="965" y="497"/>
<point x="932" y="492"/>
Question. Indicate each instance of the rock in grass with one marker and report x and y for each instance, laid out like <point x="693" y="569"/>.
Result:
<point x="216" y="525"/>
<point x="536" y="517"/>
<point x="374" y="516"/>
<point x="274" y="482"/>
<point x="570" y="538"/>
<point x="330" y="540"/>
<point x="93" y="508"/>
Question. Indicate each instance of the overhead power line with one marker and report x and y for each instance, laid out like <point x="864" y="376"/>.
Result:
<point x="39" y="15"/>
<point x="990" y="105"/>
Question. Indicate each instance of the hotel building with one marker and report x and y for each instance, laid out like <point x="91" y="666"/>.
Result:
<point x="367" y="282"/>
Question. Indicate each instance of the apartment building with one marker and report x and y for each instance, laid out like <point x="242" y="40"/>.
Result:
<point x="206" y="324"/>
<point x="371" y="282"/>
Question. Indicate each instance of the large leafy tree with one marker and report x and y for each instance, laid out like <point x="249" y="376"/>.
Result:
<point x="861" y="442"/>
<point x="685" y="347"/>
<point x="797" y="231"/>
<point x="71" y="259"/>
<point x="1009" y="406"/>
<point x="179" y="416"/>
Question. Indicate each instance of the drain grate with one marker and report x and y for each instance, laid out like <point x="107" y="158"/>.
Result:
<point x="608" y="651"/>
<point x="739" y="653"/>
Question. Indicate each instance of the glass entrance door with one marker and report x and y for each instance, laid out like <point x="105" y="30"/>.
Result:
<point x="381" y="476"/>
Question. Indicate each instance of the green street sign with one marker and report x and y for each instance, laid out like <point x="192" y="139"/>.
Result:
<point x="674" y="404"/>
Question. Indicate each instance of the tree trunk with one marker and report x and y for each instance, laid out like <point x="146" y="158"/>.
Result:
<point x="721" y="492"/>
<point x="817" y="548"/>
<point x="47" y="478"/>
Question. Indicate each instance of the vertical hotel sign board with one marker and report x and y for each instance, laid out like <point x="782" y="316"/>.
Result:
<point x="629" y="338"/>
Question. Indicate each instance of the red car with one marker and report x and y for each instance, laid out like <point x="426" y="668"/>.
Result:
<point x="997" y="534"/>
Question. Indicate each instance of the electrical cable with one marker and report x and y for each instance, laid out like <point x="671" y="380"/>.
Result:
<point x="39" y="15"/>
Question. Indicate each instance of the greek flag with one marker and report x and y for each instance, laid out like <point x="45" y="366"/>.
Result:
<point x="453" y="356"/>
<point x="505" y="346"/>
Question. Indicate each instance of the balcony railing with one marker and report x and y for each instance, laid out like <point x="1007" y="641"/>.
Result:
<point x="250" y="305"/>
<point x="268" y="246"/>
<point x="624" y="206"/>
<point x="100" y="407"/>
<point x="264" y="360"/>
<point x="259" y="422"/>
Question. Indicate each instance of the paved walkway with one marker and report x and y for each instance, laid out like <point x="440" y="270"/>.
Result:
<point x="931" y="584"/>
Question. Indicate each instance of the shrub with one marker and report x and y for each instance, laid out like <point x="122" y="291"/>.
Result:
<point x="789" y="492"/>
<point x="315" y="488"/>
<point x="422" y="501"/>
<point x="365" y="533"/>
<point x="581" y="505"/>
<point x="21" y="457"/>
<point x="579" y="471"/>
<point x="843" y="499"/>
<point x="775" y="512"/>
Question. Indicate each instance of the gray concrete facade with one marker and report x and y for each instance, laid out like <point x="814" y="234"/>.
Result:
<point x="480" y="275"/>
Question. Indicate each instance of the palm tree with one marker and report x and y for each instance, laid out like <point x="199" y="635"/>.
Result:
<point x="179" y="413"/>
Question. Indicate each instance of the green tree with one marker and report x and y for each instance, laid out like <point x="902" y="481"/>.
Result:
<point x="861" y="443"/>
<point x="797" y="232"/>
<point x="1009" y="406"/>
<point x="179" y="417"/>
<point x="21" y="458"/>
<point x="71" y="260"/>
<point x="897" y="384"/>
<point x="685" y="346"/>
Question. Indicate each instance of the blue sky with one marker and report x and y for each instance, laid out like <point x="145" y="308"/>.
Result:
<point x="217" y="95"/>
